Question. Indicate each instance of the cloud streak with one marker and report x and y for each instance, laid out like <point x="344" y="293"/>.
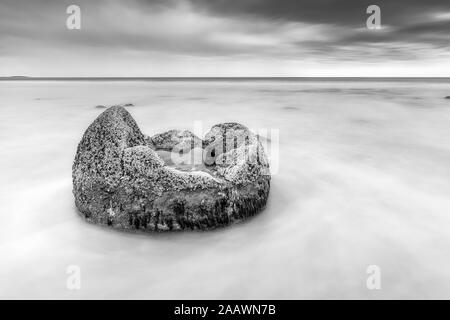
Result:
<point x="222" y="38"/>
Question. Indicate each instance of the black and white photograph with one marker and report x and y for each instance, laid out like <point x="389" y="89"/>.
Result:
<point x="224" y="150"/>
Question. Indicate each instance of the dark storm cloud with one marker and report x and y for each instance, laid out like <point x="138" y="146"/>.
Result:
<point x="407" y="21"/>
<point x="340" y="12"/>
<point x="406" y="42"/>
<point x="328" y="31"/>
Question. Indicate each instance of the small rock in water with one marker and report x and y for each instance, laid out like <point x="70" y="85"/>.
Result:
<point x="447" y="97"/>
<point x="120" y="180"/>
<point x="120" y="105"/>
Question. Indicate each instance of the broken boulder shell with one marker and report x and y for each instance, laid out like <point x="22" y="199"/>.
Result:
<point x="125" y="180"/>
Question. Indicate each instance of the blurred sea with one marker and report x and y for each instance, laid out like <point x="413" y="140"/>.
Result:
<point x="363" y="179"/>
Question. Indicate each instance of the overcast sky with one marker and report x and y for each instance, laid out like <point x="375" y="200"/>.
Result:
<point x="225" y="38"/>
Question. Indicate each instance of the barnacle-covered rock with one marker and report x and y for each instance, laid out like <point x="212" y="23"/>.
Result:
<point x="120" y="179"/>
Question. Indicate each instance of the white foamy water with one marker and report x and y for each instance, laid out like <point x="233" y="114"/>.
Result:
<point x="363" y="179"/>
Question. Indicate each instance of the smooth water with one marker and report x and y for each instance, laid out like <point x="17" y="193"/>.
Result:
<point x="363" y="179"/>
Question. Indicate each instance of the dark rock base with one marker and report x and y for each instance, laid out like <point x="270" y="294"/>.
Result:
<point x="178" y="210"/>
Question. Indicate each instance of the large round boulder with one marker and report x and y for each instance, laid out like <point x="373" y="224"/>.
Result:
<point x="121" y="180"/>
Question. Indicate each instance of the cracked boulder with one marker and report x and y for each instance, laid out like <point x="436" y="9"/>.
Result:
<point x="124" y="179"/>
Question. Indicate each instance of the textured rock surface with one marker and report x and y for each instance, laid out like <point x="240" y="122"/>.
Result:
<point x="119" y="180"/>
<point x="184" y="140"/>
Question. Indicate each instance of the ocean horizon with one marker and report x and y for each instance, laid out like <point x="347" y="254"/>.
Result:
<point x="290" y="79"/>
